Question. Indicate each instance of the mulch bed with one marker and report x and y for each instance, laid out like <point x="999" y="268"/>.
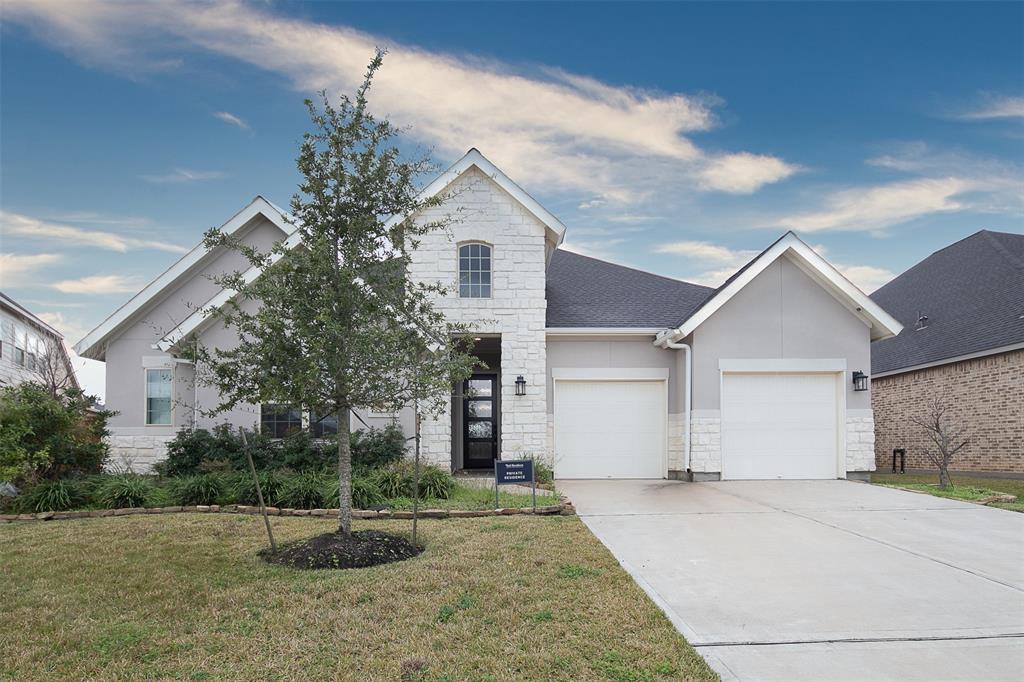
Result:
<point x="337" y="550"/>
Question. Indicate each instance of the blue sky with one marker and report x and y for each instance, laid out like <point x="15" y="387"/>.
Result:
<point x="678" y="138"/>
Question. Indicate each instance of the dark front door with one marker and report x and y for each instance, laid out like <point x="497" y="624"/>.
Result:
<point x="480" y="421"/>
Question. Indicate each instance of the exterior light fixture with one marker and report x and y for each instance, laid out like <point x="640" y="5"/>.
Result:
<point x="860" y="381"/>
<point x="520" y="385"/>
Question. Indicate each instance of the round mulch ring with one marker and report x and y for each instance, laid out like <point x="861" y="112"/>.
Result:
<point x="336" y="550"/>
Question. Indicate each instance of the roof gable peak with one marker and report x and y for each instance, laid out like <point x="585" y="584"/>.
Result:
<point x="882" y="324"/>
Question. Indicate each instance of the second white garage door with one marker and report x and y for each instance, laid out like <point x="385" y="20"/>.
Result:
<point x="779" y="426"/>
<point x="610" y="429"/>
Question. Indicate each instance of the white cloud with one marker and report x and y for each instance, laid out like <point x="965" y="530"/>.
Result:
<point x="183" y="175"/>
<point x="996" y="107"/>
<point x="602" y="249"/>
<point x="98" y="284"/>
<point x="68" y="235"/>
<point x="866" y="277"/>
<point x="230" y="118"/>
<point x="723" y="262"/>
<point x="71" y="329"/>
<point x="877" y="207"/>
<point x="15" y="266"/>
<point x="706" y="251"/>
<point x="543" y="126"/>
<point x="744" y="173"/>
<point x="708" y="264"/>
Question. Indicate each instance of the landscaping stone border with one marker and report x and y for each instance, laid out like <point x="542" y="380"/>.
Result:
<point x="564" y="507"/>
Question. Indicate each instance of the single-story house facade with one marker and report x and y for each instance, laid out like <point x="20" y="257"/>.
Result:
<point x="962" y="311"/>
<point x="604" y="370"/>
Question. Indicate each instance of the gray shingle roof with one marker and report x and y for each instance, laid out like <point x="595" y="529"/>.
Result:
<point x="972" y="293"/>
<point x="587" y="292"/>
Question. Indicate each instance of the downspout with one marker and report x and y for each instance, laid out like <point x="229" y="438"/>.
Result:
<point x="687" y="393"/>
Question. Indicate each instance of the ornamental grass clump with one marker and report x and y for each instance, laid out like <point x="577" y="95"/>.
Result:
<point x="198" y="489"/>
<point x="126" y="490"/>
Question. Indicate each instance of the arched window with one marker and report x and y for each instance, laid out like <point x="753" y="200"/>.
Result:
<point x="474" y="271"/>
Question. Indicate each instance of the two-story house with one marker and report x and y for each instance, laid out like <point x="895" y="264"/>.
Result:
<point x="604" y="370"/>
<point x="30" y="349"/>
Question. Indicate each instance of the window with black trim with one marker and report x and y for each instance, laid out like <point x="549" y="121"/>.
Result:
<point x="474" y="271"/>
<point x="277" y="420"/>
<point x="327" y="425"/>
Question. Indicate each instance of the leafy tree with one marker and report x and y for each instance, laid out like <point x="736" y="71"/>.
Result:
<point x="50" y="436"/>
<point x="337" y="322"/>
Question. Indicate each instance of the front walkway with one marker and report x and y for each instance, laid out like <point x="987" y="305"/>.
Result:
<point x="822" y="580"/>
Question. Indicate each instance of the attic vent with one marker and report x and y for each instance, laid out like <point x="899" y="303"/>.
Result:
<point x="922" y="322"/>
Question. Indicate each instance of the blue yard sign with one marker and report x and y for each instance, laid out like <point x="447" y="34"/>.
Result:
<point x="514" y="472"/>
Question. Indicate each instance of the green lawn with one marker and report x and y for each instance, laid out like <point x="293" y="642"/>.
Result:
<point x="964" y="487"/>
<point x="184" y="597"/>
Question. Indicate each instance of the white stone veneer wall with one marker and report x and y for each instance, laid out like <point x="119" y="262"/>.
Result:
<point x="860" y="440"/>
<point x="705" y="443"/>
<point x="516" y="309"/>
<point x="137" y="448"/>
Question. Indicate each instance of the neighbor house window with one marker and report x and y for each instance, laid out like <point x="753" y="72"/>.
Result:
<point x="19" y="348"/>
<point x="277" y="421"/>
<point x="475" y="271"/>
<point x="158" y="396"/>
<point x="320" y="426"/>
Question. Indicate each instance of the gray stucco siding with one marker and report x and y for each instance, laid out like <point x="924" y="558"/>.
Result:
<point x="614" y="352"/>
<point x="125" y="353"/>
<point x="781" y="314"/>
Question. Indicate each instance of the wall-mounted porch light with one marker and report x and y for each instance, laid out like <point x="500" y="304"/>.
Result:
<point x="520" y="385"/>
<point x="860" y="381"/>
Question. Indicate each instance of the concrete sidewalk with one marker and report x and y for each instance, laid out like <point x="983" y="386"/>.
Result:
<point x="822" y="579"/>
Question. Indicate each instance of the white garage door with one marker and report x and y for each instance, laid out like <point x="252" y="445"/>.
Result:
<point x="610" y="429"/>
<point x="779" y="426"/>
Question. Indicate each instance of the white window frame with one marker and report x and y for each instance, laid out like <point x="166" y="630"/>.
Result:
<point x="145" y="395"/>
<point x="458" y="267"/>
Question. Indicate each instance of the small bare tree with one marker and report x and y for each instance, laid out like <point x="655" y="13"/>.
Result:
<point x="52" y="369"/>
<point x="947" y="434"/>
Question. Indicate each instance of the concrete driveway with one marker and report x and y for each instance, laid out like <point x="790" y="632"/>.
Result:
<point x="822" y="580"/>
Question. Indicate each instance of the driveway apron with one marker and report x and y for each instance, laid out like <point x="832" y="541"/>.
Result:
<point x="822" y="579"/>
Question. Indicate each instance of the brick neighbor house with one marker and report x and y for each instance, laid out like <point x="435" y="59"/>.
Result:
<point x="962" y="311"/>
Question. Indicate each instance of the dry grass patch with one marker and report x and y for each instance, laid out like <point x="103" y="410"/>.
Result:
<point x="186" y="597"/>
<point x="970" y="488"/>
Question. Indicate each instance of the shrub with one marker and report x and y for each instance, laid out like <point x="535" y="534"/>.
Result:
<point x="307" y="490"/>
<point x="243" y="489"/>
<point x="191" y="448"/>
<point x="194" y="451"/>
<point x="298" y="451"/>
<point x="543" y="472"/>
<point x="394" y="480"/>
<point x="197" y="489"/>
<point x="125" y="490"/>
<point x="49" y="435"/>
<point x="365" y="494"/>
<point x="373" y="448"/>
<point x="436" y="483"/>
<point x="52" y="496"/>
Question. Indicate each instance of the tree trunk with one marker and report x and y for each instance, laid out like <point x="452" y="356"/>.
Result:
<point x="344" y="472"/>
<point x="944" y="480"/>
<point x="416" y="478"/>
